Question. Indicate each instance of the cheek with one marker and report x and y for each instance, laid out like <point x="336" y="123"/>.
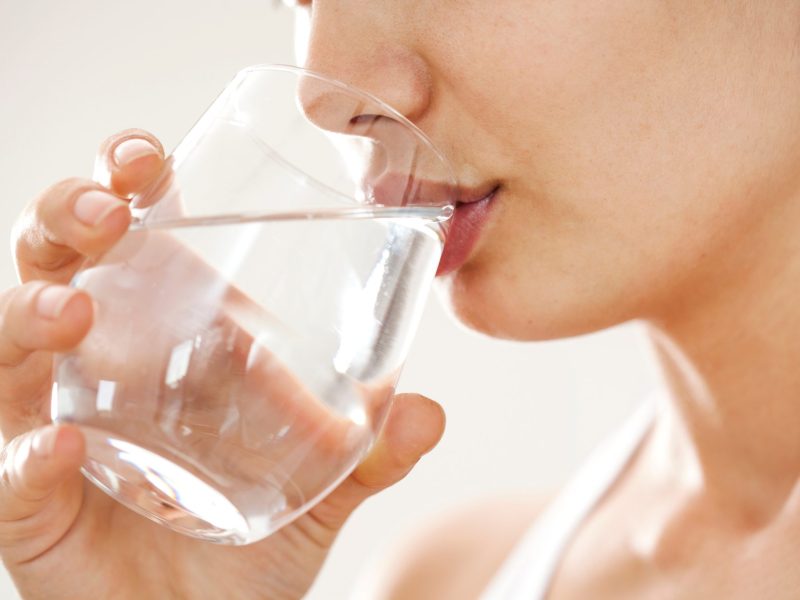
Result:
<point x="515" y="71"/>
<point x="630" y="165"/>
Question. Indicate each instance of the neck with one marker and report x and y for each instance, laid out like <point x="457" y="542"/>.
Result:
<point x="730" y="357"/>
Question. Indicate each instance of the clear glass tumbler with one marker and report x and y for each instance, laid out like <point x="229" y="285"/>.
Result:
<point x="251" y="325"/>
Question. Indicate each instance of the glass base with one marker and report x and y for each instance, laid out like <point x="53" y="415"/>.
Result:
<point x="163" y="491"/>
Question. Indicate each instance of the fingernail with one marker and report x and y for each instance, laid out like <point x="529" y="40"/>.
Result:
<point x="51" y="301"/>
<point x="95" y="205"/>
<point x="44" y="441"/>
<point x="129" y="150"/>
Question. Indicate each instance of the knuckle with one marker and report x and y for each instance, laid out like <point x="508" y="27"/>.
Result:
<point x="13" y="305"/>
<point x="7" y="460"/>
<point x="26" y="237"/>
<point x="11" y="480"/>
<point x="38" y="211"/>
<point x="6" y="297"/>
<point x="5" y="470"/>
<point x="35" y="242"/>
<point x="13" y="297"/>
<point x="46" y="264"/>
<point x="21" y="232"/>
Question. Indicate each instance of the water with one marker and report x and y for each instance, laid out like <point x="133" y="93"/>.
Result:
<point x="240" y="366"/>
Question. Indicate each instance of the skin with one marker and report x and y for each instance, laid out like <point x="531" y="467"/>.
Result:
<point x="647" y="154"/>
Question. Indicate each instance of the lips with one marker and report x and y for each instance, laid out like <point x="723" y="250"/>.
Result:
<point x="472" y="210"/>
<point x="463" y="231"/>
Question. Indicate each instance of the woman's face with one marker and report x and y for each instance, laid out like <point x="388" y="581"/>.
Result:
<point x="637" y="143"/>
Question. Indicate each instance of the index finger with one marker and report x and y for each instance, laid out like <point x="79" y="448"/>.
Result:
<point x="129" y="161"/>
<point x="51" y="237"/>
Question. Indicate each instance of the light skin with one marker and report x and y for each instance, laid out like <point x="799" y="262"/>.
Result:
<point x="647" y="154"/>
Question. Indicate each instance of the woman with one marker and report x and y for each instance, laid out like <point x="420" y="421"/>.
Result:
<point x="645" y="159"/>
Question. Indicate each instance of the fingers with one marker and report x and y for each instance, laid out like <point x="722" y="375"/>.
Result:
<point x="70" y="220"/>
<point x="77" y="217"/>
<point x="414" y="426"/>
<point x="35" y="316"/>
<point x="129" y="161"/>
<point x="40" y="490"/>
<point x="38" y="316"/>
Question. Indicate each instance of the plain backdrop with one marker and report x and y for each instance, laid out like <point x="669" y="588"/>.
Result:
<point x="520" y="416"/>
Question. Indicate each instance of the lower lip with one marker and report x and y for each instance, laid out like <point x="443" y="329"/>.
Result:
<point x="462" y="233"/>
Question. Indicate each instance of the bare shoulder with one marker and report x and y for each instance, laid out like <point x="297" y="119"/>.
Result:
<point x="455" y="554"/>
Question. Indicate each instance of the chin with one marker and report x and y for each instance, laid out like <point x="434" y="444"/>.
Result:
<point x="493" y="305"/>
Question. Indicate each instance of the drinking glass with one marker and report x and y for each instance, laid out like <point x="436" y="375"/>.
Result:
<point x="251" y="325"/>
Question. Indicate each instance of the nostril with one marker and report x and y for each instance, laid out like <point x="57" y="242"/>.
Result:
<point x="328" y="107"/>
<point x="366" y="125"/>
<point x="380" y="151"/>
<point x="364" y="119"/>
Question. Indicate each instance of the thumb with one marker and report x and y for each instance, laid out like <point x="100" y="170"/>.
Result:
<point x="40" y="489"/>
<point x="414" y="426"/>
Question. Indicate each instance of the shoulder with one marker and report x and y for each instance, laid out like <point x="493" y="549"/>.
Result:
<point x="457" y="553"/>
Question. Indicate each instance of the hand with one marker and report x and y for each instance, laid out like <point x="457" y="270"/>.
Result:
<point x="60" y="537"/>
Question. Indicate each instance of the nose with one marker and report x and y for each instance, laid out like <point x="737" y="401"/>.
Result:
<point x="355" y="45"/>
<point x="384" y="155"/>
<point x="365" y="47"/>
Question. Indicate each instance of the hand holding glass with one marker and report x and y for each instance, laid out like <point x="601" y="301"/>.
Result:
<point x="251" y="325"/>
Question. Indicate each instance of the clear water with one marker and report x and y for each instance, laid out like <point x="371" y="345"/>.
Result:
<point x="240" y="366"/>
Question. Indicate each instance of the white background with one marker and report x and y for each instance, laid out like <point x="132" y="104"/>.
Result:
<point x="520" y="416"/>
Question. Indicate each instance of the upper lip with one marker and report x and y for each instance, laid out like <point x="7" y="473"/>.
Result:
<point x="476" y="194"/>
<point x="392" y="189"/>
